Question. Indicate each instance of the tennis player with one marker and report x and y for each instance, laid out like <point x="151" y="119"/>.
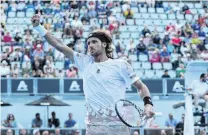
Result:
<point x="105" y="80"/>
<point x="200" y="89"/>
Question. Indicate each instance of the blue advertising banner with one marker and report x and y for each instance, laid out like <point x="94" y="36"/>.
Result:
<point x="4" y="86"/>
<point x="48" y="86"/>
<point x="73" y="86"/>
<point x="22" y="86"/>
<point x="174" y="86"/>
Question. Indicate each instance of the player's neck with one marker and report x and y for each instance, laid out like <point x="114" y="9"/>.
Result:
<point x="100" y="58"/>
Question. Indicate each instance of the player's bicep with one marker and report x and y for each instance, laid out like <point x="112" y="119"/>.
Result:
<point x="128" y="73"/>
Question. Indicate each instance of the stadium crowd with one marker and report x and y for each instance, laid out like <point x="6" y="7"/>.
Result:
<point x="181" y="37"/>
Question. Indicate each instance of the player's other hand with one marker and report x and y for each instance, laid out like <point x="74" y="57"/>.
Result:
<point x="148" y="110"/>
<point x="35" y="20"/>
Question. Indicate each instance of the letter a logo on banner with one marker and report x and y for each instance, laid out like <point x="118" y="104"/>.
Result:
<point x="22" y="86"/>
<point x="177" y="87"/>
<point x="74" y="86"/>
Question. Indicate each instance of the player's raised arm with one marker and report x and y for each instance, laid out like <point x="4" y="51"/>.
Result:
<point x="52" y="40"/>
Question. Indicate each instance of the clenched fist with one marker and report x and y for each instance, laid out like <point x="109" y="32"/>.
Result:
<point x="35" y="20"/>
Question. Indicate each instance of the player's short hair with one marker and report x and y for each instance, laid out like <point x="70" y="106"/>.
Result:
<point x="202" y="75"/>
<point x="103" y="36"/>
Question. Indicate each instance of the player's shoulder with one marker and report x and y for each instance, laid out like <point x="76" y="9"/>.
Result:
<point x="119" y="61"/>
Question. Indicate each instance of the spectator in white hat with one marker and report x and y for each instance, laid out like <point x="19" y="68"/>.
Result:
<point x="4" y="69"/>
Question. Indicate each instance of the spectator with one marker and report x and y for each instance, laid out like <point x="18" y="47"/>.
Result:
<point x="10" y="122"/>
<point x="23" y="132"/>
<point x="204" y="55"/>
<point x="15" y="69"/>
<point x="201" y="34"/>
<point x="58" y="25"/>
<point x="170" y="122"/>
<point x="70" y="122"/>
<point x="201" y="20"/>
<point x="196" y="26"/>
<point x="92" y="13"/>
<point x="166" y="39"/>
<point x="136" y="133"/>
<point x="113" y="27"/>
<point x="4" y="69"/>
<point x="147" y="39"/>
<point x="37" y="73"/>
<point x="185" y="9"/>
<point x="37" y="121"/>
<point x="163" y="132"/>
<point x="195" y="39"/>
<point x="9" y="132"/>
<point x="36" y="132"/>
<point x="145" y="31"/>
<point x="128" y="13"/>
<point x="57" y="131"/>
<point x="53" y="121"/>
<point x="27" y="54"/>
<point x="170" y="27"/>
<point x="174" y="56"/>
<point x="59" y="73"/>
<point x="111" y="18"/>
<point x="180" y="126"/>
<point x="76" y="23"/>
<point x="45" y="132"/>
<point x="76" y="132"/>
<point x="166" y="75"/>
<point x="38" y="52"/>
<point x="168" y="9"/>
<point x="71" y="72"/>
<point x="141" y="48"/>
<point x="176" y="42"/>
<point x="185" y="50"/>
<point x="27" y="43"/>
<point x="48" y="67"/>
<point x="7" y="38"/>
<point x="180" y="71"/>
<point x="157" y="40"/>
<point x="18" y="39"/>
<point x="155" y="56"/>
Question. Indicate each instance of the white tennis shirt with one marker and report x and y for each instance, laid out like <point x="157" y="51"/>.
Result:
<point x="199" y="88"/>
<point x="104" y="83"/>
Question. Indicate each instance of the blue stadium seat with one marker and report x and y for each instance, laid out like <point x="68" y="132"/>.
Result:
<point x="133" y="28"/>
<point x="160" y="10"/>
<point x="134" y="9"/>
<point x="140" y="73"/>
<point x="20" y="14"/>
<point x="143" y="10"/>
<point x="29" y="14"/>
<point x="146" y="65"/>
<point x="136" y="65"/>
<point x="167" y="65"/>
<point x="151" y="10"/>
<point x="198" y="5"/>
<point x="159" y="73"/>
<point x="149" y="74"/>
<point x="133" y="57"/>
<point x="130" y="22"/>
<point x="143" y="57"/>
<point x="157" y="65"/>
<point x="12" y="14"/>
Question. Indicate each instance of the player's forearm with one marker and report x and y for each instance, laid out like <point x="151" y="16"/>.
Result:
<point x="144" y="91"/>
<point x="52" y="40"/>
<point x="55" y="42"/>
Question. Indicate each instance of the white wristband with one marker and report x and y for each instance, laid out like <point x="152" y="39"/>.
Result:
<point x="41" y="30"/>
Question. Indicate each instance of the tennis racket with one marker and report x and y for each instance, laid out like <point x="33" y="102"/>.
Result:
<point x="130" y="114"/>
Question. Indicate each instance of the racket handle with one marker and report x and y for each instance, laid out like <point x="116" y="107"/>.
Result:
<point x="158" y="114"/>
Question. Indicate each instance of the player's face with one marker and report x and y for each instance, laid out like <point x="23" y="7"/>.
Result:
<point x="95" y="47"/>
